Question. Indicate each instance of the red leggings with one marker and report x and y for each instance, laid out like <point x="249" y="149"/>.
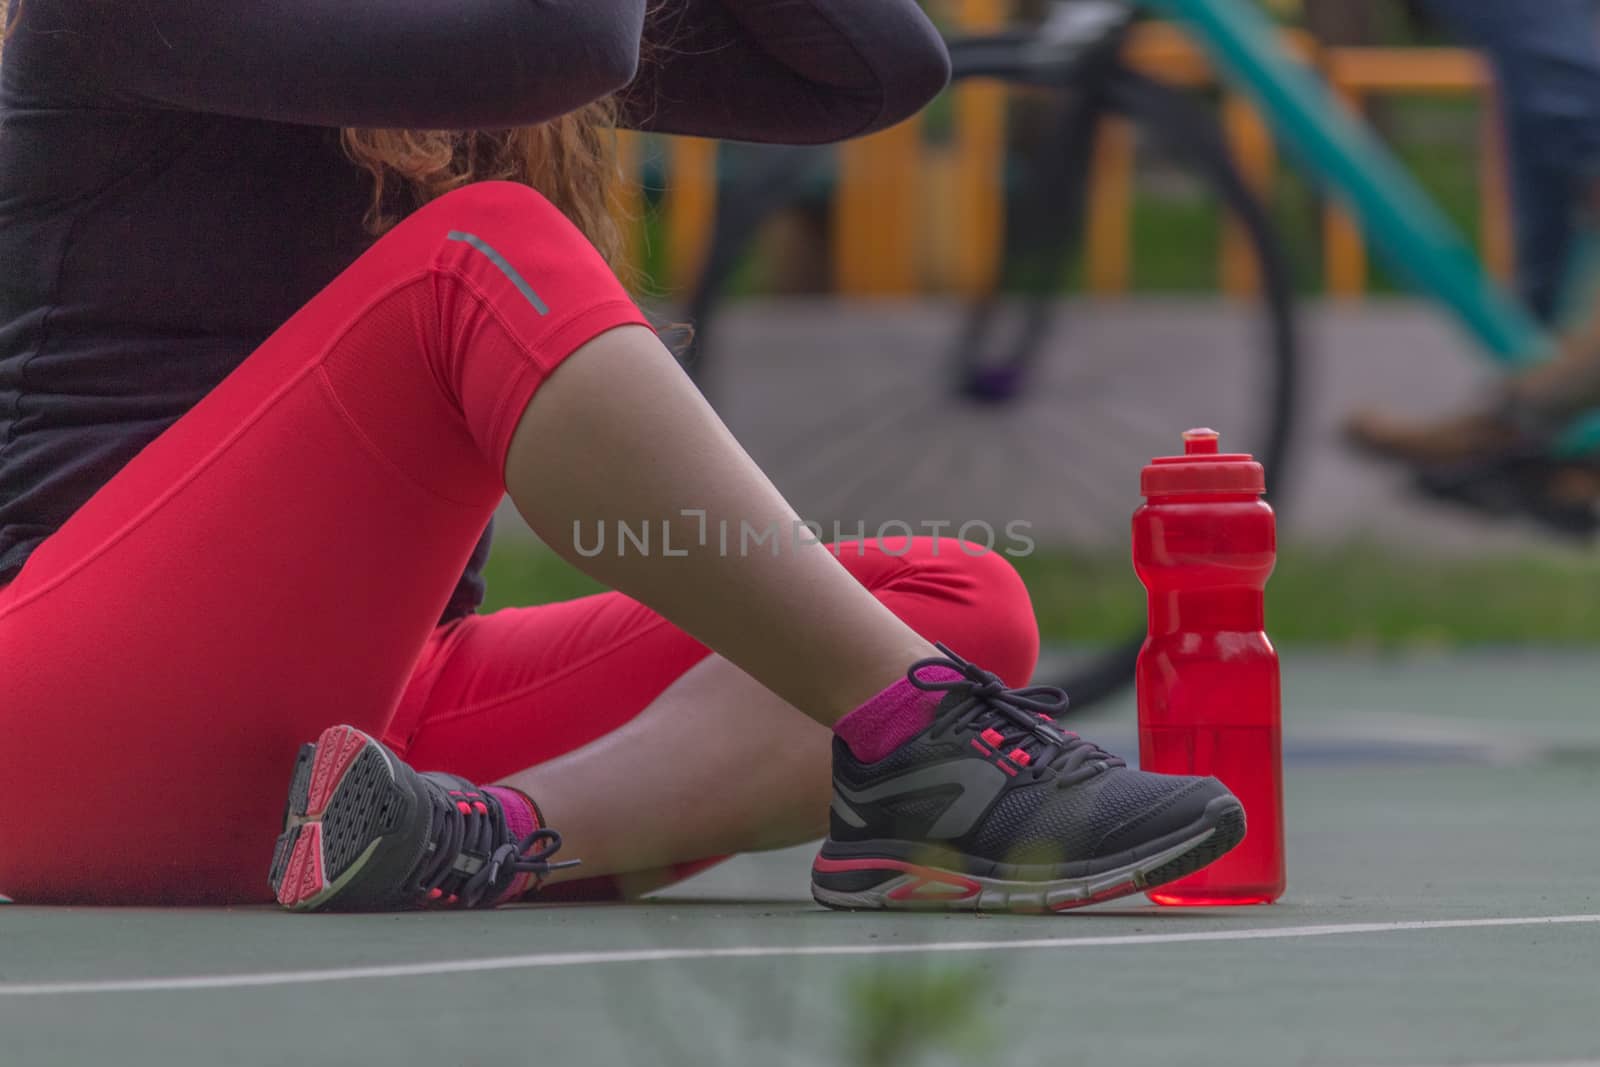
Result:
<point x="276" y="562"/>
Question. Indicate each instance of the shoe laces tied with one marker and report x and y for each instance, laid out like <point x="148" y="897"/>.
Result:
<point x="472" y="861"/>
<point x="1021" y="716"/>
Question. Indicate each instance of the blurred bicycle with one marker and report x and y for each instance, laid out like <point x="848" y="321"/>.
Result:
<point x="1049" y="403"/>
<point x="1053" y="401"/>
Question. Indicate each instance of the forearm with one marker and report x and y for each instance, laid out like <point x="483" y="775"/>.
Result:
<point x="389" y="63"/>
<point x="771" y="70"/>
<point x="797" y="71"/>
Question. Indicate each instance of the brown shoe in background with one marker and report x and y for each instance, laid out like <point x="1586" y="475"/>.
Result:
<point x="1430" y="442"/>
<point x="1575" y="485"/>
<point x="1488" y="463"/>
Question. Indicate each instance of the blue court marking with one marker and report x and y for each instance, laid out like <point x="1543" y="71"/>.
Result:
<point x="505" y="268"/>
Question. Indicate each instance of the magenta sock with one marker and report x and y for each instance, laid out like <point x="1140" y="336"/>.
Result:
<point x="522" y="819"/>
<point x="893" y="717"/>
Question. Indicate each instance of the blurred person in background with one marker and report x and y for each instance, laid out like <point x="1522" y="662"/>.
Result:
<point x="1546" y="59"/>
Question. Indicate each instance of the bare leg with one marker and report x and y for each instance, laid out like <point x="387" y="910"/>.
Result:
<point x="715" y="765"/>
<point x="620" y="435"/>
<point x="645" y="752"/>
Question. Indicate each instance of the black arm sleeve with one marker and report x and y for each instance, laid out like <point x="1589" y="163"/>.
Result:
<point x="421" y="64"/>
<point x="767" y="70"/>
<point x="796" y="71"/>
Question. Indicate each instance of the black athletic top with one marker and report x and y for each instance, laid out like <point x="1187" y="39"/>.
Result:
<point x="172" y="187"/>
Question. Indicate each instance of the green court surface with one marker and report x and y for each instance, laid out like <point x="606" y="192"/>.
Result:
<point x="1444" y="908"/>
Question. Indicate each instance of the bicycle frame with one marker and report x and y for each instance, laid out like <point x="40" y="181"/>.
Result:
<point x="1400" y="220"/>
<point x="1052" y="53"/>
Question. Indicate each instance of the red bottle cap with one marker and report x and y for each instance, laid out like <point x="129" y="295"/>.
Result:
<point x="1202" y="468"/>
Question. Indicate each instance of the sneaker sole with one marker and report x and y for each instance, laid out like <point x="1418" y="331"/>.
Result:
<point x="344" y="798"/>
<point x="906" y="886"/>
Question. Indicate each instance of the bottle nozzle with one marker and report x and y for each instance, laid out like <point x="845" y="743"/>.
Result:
<point x="1203" y="468"/>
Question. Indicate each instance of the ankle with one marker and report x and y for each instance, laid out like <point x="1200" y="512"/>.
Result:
<point x="522" y="818"/>
<point x="892" y="717"/>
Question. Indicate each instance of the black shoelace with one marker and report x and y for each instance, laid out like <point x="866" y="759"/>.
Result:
<point x="471" y="860"/>
<point x="1022" y="717"/>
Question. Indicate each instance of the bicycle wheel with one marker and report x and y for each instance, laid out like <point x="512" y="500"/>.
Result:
<point x="867" y="413"/>
<point x="1000" y="341"/>
<point x="768" y="180"/>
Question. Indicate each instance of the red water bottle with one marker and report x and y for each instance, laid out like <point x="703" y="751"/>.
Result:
<point x="1204" y="543"/>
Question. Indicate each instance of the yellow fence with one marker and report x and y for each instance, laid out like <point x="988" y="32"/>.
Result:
<point x="885" y="242"/>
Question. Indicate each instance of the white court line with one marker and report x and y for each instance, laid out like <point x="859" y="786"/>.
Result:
<point x="750" y="952"/>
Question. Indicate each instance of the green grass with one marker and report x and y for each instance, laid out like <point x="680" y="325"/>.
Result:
<point x="1355" y="596"/>
<point x="1359" y="596"/>
<point x="1176" y="235"/>
<point x="1437" y="141"/>
<point x="1176" y="231"/>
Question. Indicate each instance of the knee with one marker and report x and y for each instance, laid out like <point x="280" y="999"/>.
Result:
<point x="998" y="629"/>
<point x="507" y="240"/>
<point x="477" y="296"/>
<point x="969" y="598"/>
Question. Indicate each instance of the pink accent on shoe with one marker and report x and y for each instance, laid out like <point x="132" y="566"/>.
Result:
<point x="521" y="820"/>
<point x="893" y="717"/>
<point x="930" y="883"/>
<point x="303" y="877"/>
<point x="337" y="748"/>
<point x="1121" y="889"/>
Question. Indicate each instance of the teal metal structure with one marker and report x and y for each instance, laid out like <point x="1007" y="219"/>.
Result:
<point x="1400" y="221"/>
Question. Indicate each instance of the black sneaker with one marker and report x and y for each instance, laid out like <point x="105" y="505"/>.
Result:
<point x="364" y="832"/>
<point x="994" y="808"/>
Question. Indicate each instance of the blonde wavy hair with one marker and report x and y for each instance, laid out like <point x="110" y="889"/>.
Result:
<point x="572" y="160"/>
